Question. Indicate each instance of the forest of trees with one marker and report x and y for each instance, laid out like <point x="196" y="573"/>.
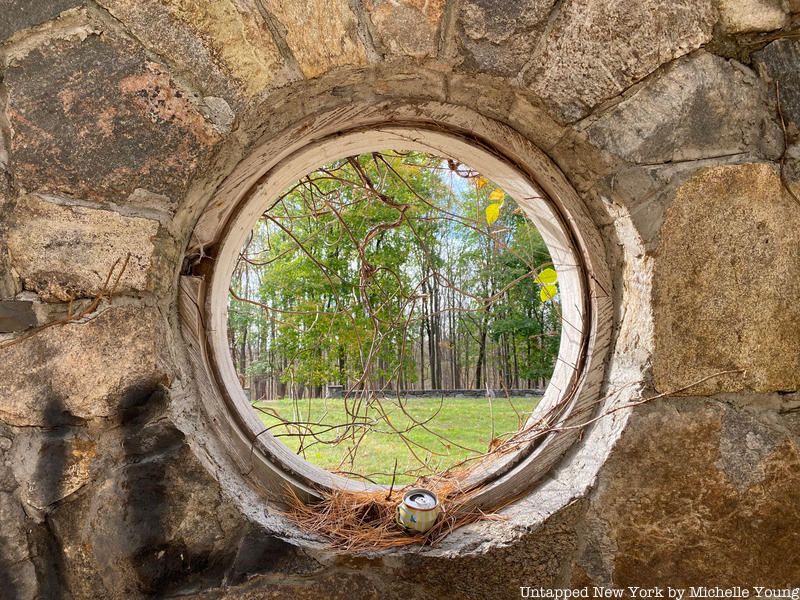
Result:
<point x="392" y="271"/>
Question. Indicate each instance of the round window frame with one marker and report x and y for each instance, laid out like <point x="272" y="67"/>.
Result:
<point x="509" y="160"/>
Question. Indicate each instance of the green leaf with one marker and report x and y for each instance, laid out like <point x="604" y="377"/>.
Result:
<point x="548" y="292"/>
<point x="546" y="277"/>
<point x="493" y="212"/>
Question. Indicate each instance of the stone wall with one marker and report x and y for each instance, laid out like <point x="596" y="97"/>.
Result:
<point x="677" y="122"/>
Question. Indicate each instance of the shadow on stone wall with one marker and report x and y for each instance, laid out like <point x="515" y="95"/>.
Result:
<point x="122" y="508"/>
<point x="149" y="445"/>
<point x="176" y="532"/>
<point x="49" y="476"/>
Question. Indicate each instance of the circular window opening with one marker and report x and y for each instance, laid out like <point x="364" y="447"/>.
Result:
<point x="393" y="316"/>
<point x="502" y="191"/>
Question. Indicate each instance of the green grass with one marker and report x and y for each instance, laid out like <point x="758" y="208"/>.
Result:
<point x="465" y="422"/>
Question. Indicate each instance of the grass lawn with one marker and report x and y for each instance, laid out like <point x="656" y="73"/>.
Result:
<point x="465" y="422"/>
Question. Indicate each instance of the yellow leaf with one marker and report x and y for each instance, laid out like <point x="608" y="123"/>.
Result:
<point x="497" y="196"/>
<point x="548" y="292"/>
<point x="547" y="276"/>
<point x="481" y="181"/>
<point x="493" y="213"/>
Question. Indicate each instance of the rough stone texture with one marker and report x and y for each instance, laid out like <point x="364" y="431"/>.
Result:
<point x="129" y="128"/>
<point x="791" y="171"/>
<point x="53" y="463"/>
<point x="67" y="252"/>
<point x="78" y="367"/>
<point x="180" y="533"/>
<point x="112" y="488"/>
<point x="597" y="49"/>
<point x="409" y="27"/>
<point x="646" y="192"/>
<point x="224" y="46"/>
<point x="740" y="16"/>
<point x="685" y="113"/>
<point x="8" y="280"/>
<point x="499" y="37"/>
<point x="17" y="571"/>
<point x="335" y="584"/>
<point x="745" y="445"/>
<point x="777" y="63"/>
<point x="22" y="14"/>
<point x="536" y="558"/>
<point x="173" y="527"/>
<point x="715" y="508"/>
<point x="724" y="289"/>
<point x="16" y="315"/>
<point x="322" y="34"/>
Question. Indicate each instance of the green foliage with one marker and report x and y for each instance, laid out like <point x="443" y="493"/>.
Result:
<point x="392" y="269"/>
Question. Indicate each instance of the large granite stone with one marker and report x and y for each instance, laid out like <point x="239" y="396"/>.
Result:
<point x="727" y="272"/>
<point x="80" y="366"/>
<point x="321" y="34"/>
<point x="16" y="15"/>
<point x="64" y="252"/>
<point x="223" y="46"/>
<point x="176" y="525"/>
<point x="676" y="513"/>
<point x="406" y="27"/>
<point x="598" y="48"/>
<point x="97" y="119"/>
<point x="742" y="16"/>
<point x="778" y="64"/>
<point x="685" y="113"/>
<point x="499" y="37"/>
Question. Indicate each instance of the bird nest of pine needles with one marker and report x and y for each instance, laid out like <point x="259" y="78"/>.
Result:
<point x="362" y="521"/>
